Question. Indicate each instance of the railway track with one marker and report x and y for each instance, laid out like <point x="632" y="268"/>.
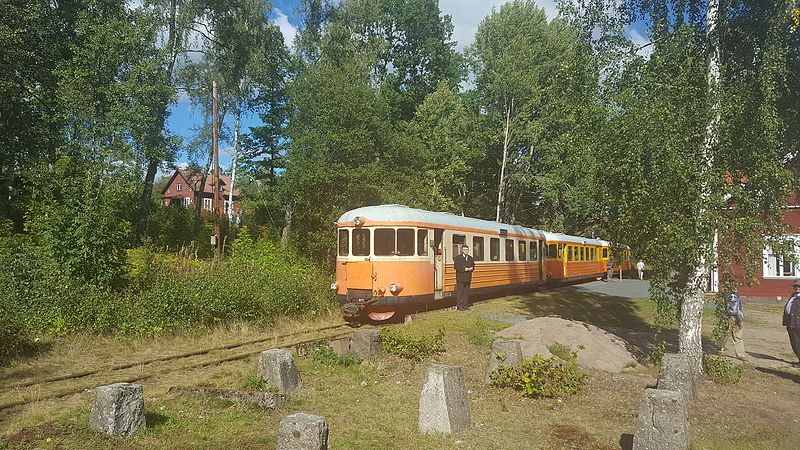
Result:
<point x="280" y="341"/>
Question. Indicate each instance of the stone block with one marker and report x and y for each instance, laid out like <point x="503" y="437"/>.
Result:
<point x="443" y="404"/>
<point x="676" y="374"/>
<point x="118" y="409"/>
<point x="302" y="431"/>
<point x="366" y="344"/>
<point x="340" y="346"/>
<point x="663" y="422"/>
<point x="276" y="367"/>
<point x="505" y="353"/>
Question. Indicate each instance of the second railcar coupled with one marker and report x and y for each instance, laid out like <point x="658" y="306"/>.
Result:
<point x="393" y="258"/>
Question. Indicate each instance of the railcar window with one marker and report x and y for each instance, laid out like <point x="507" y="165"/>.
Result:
<point x="344" y="242"/>
<point x="384" y="241"/>
<point x="605" y="253"/>
<point x="534" y="250"/>
<point x="361" y="242"/>
<point x="422" y="242"/>
<point x="494" y="249"/>
<point x="509" y="249"/>
<point x="477" y="248"/>
<point x="569" y="253"/>
<point x="552" y="251"/>
<point x="523" y="251"/>
<point x="594" y="254"/>
<point x="560" y="251"/>
<point x="583" y="255"/>
<point x="405" y="242"/>
<point x="458" y="241"/>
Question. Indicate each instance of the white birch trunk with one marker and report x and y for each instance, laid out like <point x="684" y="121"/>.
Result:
<point x="506" y="144"/>
<point x="233" y="164"/>
<point x="690" y="334"/>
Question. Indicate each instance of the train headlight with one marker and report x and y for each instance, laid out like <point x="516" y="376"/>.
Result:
<point x="334" y="285"/>
<point x="394" y="288"/>
<point x="357" y="221"/>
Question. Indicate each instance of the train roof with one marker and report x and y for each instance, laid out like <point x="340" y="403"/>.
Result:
<point x="401" y="213"/>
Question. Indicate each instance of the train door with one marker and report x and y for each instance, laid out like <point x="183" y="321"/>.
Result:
<point x="438" y="264"/>
<point x="540" y="252"/>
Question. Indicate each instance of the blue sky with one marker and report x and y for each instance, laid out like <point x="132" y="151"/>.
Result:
<point x="466" y="15"/>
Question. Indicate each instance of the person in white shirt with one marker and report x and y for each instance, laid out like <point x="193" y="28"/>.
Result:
<point x="640" y="268"/>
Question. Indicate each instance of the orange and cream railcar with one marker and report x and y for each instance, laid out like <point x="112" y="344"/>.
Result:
<point x="393" y="258"/>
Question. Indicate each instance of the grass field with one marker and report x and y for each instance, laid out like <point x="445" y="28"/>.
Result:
<point x="375" y="404"/>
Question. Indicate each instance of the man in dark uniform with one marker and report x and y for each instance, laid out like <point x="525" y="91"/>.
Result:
<point x="464" y="265"/>
<point x="791" y="319"/>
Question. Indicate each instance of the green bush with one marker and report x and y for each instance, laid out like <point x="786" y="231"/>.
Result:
<point x="540" y="377"/>
<point x="413" y="347"/>
<point x="722" y="371"/>
<point x="563" y="352"/>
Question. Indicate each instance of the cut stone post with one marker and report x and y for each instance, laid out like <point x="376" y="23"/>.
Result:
<point x="663" y="422"/>
<point x="303" y="431"/>
<point x="676" y="375"/>
<point x="504" y="354"/>
<point x="118" y="409"/>
<point x="340" y="346"/>
<point x="366" y="344"/>
<point x="443" y="405"/>
<point x="277" y="368"/>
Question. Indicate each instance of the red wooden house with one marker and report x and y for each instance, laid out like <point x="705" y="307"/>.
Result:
<point x="774" y="280"/>
<point x="184" y="184"/>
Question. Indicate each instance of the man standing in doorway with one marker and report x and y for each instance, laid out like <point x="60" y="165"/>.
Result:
<point x="791" y="320"/>
<point x="640" y="268"/>
<point x="464" y="265"/>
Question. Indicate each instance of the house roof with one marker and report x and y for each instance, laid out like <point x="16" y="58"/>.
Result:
<point x="194" y="178"/>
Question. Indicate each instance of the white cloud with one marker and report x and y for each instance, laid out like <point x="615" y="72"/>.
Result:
<point x="288" y="30"/>
<point x="468" y="14"/>
<point x="639" y="41"/>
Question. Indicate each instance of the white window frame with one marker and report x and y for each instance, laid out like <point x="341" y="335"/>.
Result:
<point x="773" y="265"/>
<point x="227" y="205"/>
<point x="186" y="201"/>
<point x="179" y="187"/>
<point x="208" y="203"/>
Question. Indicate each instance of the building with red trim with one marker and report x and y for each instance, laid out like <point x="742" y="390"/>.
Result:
<point x="183" y="186"/>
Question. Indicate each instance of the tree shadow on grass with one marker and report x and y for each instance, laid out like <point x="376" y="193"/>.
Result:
<point x="794" y="377"/>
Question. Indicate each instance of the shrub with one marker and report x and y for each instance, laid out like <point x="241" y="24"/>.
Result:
<point x="539" y="377"/>
<point x="327" y="357"/>
<point x="722" y="371"/>
<point x="563" y="352"/>
<point x="415" y="348"/>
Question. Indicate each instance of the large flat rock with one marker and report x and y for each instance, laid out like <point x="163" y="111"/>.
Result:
<point x="597" y="348"/>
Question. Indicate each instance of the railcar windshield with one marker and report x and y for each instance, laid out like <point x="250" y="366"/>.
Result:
<point x="384" y="241"/>
<point x="361" y="242"/>
<point x="405" y="242"/>
<point x="344" y="242"/>
<point x="422" y="242"/>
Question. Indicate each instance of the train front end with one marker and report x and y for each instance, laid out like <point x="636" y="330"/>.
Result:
<point x="383" y="267"/>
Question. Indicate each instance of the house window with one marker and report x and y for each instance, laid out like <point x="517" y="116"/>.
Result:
<point x="186" y="201"/>
<point x="227" y="205"/>
<point x="207" y="203"/>
<point x="180" y="187"/>
<point x="477" y="248"/>
<point x="494" y="249"/>
<point x="781" y="266"/>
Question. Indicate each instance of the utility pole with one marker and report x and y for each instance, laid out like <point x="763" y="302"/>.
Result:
<point x="215" y="188"/>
